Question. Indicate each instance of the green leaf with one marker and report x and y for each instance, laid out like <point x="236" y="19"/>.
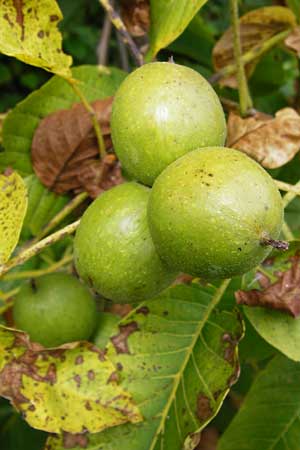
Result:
<point x="42" y="206"/>
<point x="168" y="20"/>
<point x="29" y="32"/>
<point x="70" y="388"/>
<point x="178" y="357"/>
<point x="277" y="328"/>
<point x="13" y="204"/>
<point x="269" y="417"/>
<point x="294" y="5"/>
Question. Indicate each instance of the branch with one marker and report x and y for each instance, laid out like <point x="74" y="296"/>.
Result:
<point x="39" y="272"/>
<point x="244" y="95"/>
<point x="102" y="48"/>
<point x="67" y="209"/>
<point x="120" y="26"/>
<point x="29" y="252"/>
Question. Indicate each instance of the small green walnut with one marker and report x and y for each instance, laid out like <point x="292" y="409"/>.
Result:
<point x="211" y="212"/>
<point x="160" y="112"/>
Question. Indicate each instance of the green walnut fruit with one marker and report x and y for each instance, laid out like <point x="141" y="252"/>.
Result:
<point x="113" y="249"/>
<point x="160" y="112"/>
<point x="55" y="309"/>
<point x="212" y="211"/>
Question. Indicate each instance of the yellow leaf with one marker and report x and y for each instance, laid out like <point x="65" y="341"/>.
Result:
<point x="29" y="32"/>
<point x="13" y="205"/>
<point x="256" y="27"/>
<point x="72" y="388"/>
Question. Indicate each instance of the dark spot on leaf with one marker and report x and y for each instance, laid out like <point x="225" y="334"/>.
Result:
<point x="31" y="408"/>
<point x="79" y="360"/>
<point x="88" y="406"/>
<point x="77" y="380"/>
<point x="143" y="310"/>
<point x="204" y="411"/>
<point x="53" y="18"/>
<point x="75" y="440"/>
<point x="166" y="313"/>
<point x="41" y="34"/>
<point x="120" y="341"/>
<point x="91" y="375"/>
<point x="119" y="366"/>
<point x="114" y="377"/>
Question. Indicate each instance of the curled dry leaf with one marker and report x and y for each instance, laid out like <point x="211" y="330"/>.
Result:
<point x="71" y="388"/>
<point x="272" y="141"/>
<point x="282" y="295"/>
<point x="293" y="41"/>
<point x="255" y="27"/>
<point x="136" y="16"/>
<point x="65" y="154"/>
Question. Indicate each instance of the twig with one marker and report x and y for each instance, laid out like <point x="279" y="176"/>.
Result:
<point x="39" y="272"/>
<point x="254" y="53"/>
<point x="289" y="197"/>
<point x="123" y="53"/>
<point x="244" y="95"/>
<point x="67" y="209"/>
<point x="33" y="250"/>
<point x="102" y="48"/>
<point x="74" y="84"/>
<point x="120" y="26"/>
<point x="287" y="232"/>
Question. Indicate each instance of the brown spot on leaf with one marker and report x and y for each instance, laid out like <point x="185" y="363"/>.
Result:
<point x="204" y="411"/>
<point x="41" y="34"/>
<point x="88" y="406"/>
<point x="75" y="440"/>
<point x="119" y="309"/>
<point x="79" y="360"/>
<point x="120" y="341"/>
<point x="283" y="295"/>
<point x="18" y="4"/>
<point x="119" y="366"/>
<point x="53" y="18"/>
<point x="91" y="375"/>
<point x="143" y="310"/>
<point x="77" y="380"/>
<point x="113" y="378"/>
<point x="229" y="352"/>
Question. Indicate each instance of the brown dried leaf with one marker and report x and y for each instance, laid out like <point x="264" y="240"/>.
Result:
<point x="255" y="27"/>
<point x="96" y="176"/>
<point x="136" y="16"/>
<point x="65" y="143"/>
<point x="272" y="141"/>
<point x="283" y="295"/>
<point x="293" y="41"/>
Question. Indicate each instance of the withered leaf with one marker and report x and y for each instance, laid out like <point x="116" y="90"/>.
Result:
<point x="272" y="141"/>
<point x="136" y="16"/>
<point x="293" y="41"/>
<point x="255" y="27"/>
<point x="282" y="295"/>
<point x="209" y="439"/>
<point x="65" y="153"/>
<point x="97" y="176"/>
<point x="71" y="388"/>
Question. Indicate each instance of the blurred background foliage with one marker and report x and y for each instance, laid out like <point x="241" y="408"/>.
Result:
<point x="274" y="85"/>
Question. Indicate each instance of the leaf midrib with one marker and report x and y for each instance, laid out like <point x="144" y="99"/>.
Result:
<point x="177" y="378"/>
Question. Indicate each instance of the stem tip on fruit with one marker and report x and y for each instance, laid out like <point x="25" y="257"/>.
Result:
<point x="279" y="245"/>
